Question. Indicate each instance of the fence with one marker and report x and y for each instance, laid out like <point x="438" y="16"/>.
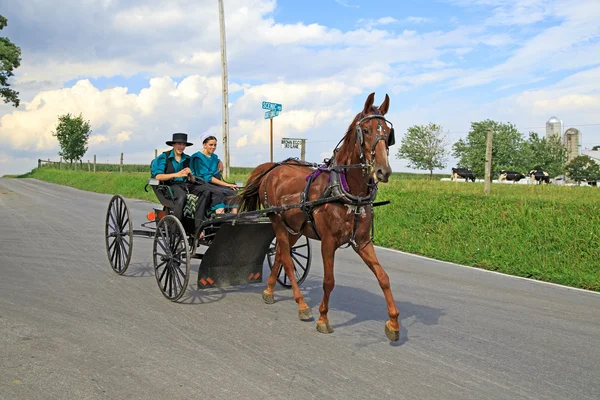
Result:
<point x="93" y="166"/>
<point x="106" y="167"/>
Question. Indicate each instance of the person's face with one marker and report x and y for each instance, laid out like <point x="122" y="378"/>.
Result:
<point x="210" y="146"/>
<point x="179" y="148"/>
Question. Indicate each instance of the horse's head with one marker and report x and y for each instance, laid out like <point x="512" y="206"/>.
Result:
<point x="374" y="135"/>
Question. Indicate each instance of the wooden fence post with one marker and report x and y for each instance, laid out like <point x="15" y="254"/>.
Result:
<point x="39" y="163"/>
<point x="488" y="163"/>
<point x="59" y="163"/>
<point x="89" y="166"/>
<point x="121" y="164"/>
<point x="94" y="163"/>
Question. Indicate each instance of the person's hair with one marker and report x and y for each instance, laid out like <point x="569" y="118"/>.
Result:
<point x="209" y="138"/>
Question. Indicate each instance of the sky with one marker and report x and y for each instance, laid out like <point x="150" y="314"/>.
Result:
<point x="142" y="70"/>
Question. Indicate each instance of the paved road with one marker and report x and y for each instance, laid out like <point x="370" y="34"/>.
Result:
<point x="70" y="328"/>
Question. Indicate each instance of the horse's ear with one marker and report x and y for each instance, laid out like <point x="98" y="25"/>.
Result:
<point x="369" y="103"/>
<point x="385" y="106"/>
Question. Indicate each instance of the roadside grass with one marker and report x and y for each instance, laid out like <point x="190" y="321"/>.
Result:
<point x="549" y="233"/>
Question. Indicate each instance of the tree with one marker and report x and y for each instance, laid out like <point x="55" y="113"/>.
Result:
<point x="583" y="168"/>
<point x="72" y="134"/>
<point x="506" y="146"/>
<point x="595" y="148"/>
<point x="10" y="58"/>
<point x="547" y="153"/>
<point x="424" y="147"/>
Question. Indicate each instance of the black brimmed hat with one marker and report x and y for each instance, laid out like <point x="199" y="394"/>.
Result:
<point x="179" y="138"/>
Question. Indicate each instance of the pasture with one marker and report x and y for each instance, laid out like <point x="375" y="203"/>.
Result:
<point x="550" y="233"/>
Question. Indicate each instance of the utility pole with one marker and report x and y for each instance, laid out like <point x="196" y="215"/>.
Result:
<point x="303" y="150"/>
<point x="225" y="92"/>
<point x="488" y="163"/>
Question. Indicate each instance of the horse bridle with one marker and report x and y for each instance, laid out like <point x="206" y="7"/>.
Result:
<point x="389" y="140"/>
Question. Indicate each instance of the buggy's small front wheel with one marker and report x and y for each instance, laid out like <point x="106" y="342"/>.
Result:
<point x="171" y="256"/>
<point x="118" y="232"/>
<point x="301" y="256"/>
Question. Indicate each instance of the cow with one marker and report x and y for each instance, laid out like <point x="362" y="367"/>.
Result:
<point x="539" y="176"/>
<point x="462" y="173"/>
<point x="510" y="176"/>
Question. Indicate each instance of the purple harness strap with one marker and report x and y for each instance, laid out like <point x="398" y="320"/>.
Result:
<point x="322" y="168"/>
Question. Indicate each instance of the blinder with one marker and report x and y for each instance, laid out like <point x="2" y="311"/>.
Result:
<point x="391" y="139"/>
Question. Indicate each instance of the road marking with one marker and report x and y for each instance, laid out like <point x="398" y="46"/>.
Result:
<point x="491" y="272"/>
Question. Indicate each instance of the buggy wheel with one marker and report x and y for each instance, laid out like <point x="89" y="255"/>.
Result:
<point x="301" y="255"/>
<point x="118" y="231"/>
<point x="171" y="255"/>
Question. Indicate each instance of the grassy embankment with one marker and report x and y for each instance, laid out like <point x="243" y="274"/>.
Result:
<point x="548" y="233"/>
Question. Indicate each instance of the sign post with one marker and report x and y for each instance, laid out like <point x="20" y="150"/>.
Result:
<point x="273" y="110"/>
<point x="294" y="143"/>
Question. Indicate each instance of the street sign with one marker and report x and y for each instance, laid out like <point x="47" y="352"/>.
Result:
<point x="266" y="105"/>
<point x="271" y="114"/>
<point x="288" y="143"/>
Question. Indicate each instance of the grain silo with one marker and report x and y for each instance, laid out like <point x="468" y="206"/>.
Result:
<point x="554" y="126"/>
<point x="572" y="141"/>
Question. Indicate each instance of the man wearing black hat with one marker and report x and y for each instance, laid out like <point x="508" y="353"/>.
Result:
<point x="172" y="169"/>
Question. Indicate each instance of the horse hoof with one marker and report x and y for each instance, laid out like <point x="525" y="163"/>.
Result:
<point x="324" y="327"/>
<point x="305" y="314"/>
<point x="391" y="334"/>
<point x="268" y="298"/>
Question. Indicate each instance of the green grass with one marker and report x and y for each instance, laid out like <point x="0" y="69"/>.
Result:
<point x="549" y="233"/>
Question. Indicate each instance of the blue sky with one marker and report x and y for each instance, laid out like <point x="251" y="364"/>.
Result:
<point x="140" y="70"/>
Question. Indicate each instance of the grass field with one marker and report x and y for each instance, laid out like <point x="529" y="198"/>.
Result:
<point x="549" y="233"/>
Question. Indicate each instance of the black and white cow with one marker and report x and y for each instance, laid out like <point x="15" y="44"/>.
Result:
<point x="539" y="176"/>
<point x="510" y="176"/>
<point x="462" y="173"/>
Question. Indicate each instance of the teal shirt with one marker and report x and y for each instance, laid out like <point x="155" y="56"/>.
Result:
<point x="205" y="167"/>
<point x="159" y="165"/>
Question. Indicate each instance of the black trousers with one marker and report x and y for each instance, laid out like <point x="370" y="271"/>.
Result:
<point x="180" y="191"/>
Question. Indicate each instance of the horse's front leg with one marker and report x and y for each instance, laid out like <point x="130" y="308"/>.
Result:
<point x="392" y="327"/>
<point x="328" y="248"/>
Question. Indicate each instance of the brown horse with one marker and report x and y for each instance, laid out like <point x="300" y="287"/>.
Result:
<point x="335" y="207"/>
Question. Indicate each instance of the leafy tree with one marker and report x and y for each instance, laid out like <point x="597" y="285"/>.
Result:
<point x="595" y="148"/>
<point x="425" y="147"/>
<point x="72" y="134"/>
<point x="10" y="58"/>
<point x="547" y="153"/>
<point x="506" y="146"/>
<point x="583" y="168"/>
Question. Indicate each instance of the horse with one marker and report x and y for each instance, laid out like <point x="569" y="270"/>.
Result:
<point x="333" y="204"/>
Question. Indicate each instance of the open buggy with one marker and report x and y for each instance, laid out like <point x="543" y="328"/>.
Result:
<point x="235" y="245"/>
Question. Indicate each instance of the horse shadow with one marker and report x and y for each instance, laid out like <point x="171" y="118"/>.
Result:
<point x="365" y="306"/>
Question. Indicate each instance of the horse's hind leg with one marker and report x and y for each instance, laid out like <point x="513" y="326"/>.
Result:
<point x="392" y="327"/>
<point x="268" y="293"/>
<point x="283" y="248"/>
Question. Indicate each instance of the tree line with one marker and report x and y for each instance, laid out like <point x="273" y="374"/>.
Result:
<point x="426" y="147"/>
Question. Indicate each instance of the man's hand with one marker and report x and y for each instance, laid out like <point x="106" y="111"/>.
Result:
<point x="184" y="173"/>
<point x="220" y="166"/>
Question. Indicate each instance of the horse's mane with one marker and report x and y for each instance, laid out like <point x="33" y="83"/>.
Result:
<point x="345" y="151"/>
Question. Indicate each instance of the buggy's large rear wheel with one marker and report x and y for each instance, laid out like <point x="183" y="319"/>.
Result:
<point x="118" y="231"/>
<point x="171" y="255"/>
<point x="301" y="255"/>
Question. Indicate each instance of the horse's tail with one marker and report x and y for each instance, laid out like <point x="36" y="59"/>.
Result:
<point x="249" y="197"/>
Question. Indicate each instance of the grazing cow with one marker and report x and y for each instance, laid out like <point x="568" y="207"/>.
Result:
<point x="510" y="176"/>
<point x="539" y="176"/>
<point x="462" y="173"/>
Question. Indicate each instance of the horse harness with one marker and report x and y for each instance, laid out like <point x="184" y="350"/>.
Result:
<point x="337" y="189"/>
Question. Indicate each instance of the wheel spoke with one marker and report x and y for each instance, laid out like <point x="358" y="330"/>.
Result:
<point x="299" y="255"/>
